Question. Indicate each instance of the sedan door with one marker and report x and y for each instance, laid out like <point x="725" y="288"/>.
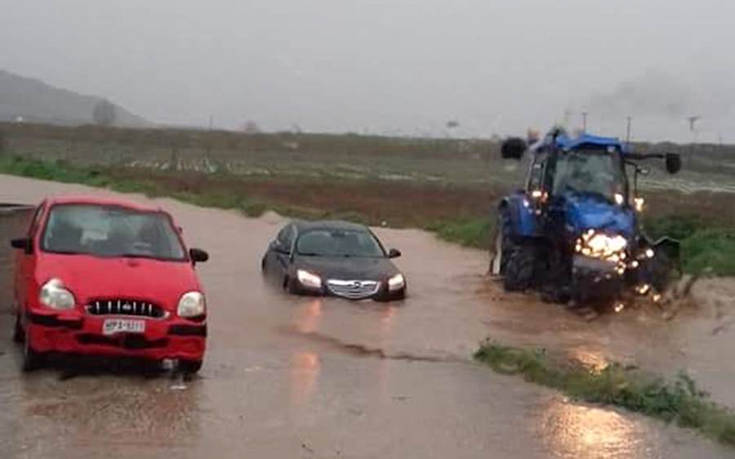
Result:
<point x="278" y="257"/>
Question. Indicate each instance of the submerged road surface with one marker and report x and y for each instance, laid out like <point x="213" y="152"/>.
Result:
<point x="290" y="377"/>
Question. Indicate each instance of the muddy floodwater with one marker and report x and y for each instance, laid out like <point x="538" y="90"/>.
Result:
<point x="292" y="377"/>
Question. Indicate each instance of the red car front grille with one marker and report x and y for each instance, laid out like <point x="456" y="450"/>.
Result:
<point x="125" y="307"/>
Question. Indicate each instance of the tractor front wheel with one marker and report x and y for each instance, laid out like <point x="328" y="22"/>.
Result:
<point x="520" y="268"/>
<point x="503" y="245"/>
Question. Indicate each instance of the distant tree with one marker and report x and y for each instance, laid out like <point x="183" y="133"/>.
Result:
<point x="2" y="141"/>
<point x="104" y="113"/>
<point x="251" y="128"/>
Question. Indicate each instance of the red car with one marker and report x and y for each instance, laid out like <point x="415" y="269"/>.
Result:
<point x="109" y="278"/>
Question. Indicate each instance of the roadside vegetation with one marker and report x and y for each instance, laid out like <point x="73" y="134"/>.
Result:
<point x="705" y="248"/>
<point x="678" y="401"/>
<point x="459" y="214"/>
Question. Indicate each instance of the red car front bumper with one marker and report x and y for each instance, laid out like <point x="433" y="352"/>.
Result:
<point x="76" y="333"/>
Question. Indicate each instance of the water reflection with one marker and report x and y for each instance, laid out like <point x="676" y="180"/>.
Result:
<point x="581" y="431"/>
<point x="307" y="317"/>
<point x="305" y="364"/>
<point x="304" y="373"/>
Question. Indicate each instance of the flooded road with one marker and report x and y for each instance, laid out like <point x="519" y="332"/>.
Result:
<point x="307" y="377"/>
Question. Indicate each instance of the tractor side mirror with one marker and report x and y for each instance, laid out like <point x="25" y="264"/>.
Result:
<point x="394" y="253"/>
<point x="513" y="148"/>
<point x="673" y="163"/>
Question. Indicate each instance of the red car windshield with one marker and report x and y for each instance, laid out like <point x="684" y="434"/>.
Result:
<point x="110" y="231"/>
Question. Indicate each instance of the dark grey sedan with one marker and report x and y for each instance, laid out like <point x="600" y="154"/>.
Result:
<point x="333" y="258"/>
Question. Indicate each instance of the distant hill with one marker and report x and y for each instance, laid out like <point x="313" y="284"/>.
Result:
<point x="37" y="102"/>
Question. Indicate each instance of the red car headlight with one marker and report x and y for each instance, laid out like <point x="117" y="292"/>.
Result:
<point x="191" y="304"/>
<point x="54" y="295"/>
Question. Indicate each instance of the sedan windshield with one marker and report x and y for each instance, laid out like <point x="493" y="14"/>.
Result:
<point x="339" y="243"/>
<point x="589" y="172"/>
<point x="111" y="231"/>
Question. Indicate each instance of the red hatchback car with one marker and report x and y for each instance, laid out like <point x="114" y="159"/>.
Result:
<point x="109" y="278"/>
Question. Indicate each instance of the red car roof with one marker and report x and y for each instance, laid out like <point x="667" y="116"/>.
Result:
<point x="102" y="201"/>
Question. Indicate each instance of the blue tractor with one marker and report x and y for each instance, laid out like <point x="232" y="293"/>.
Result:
<point x="574" y="231"/>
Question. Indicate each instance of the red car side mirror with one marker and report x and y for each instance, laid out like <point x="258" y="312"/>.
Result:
<point x="22" y="243"/>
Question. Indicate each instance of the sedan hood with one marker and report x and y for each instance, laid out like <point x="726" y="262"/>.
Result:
<point x="348" y="268"/>
<point x="161" y="282"/>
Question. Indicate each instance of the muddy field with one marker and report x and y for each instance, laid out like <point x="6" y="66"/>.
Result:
<point x="325" y="157"/>
<point x="304" y="377"/>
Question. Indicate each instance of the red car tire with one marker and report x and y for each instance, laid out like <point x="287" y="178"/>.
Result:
<point x="17" y="330"/>
<point x="32" y="360"/>
<point x="190" y="366"/>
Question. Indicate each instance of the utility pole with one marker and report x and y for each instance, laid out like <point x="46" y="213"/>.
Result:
<point x="584" y="122"/>
<point x="211" y="119"/>
<point x="627" y="130"/>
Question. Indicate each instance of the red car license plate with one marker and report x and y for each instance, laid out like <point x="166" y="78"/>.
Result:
<point x="112" y="326"/>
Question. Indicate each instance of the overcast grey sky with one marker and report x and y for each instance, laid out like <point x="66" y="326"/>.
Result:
<point x="390" y="66"/>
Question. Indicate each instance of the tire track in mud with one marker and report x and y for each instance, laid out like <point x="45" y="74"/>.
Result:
<point x="361" y="350"/>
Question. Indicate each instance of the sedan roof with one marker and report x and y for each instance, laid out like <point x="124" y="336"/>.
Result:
<point x="303" y="225"/>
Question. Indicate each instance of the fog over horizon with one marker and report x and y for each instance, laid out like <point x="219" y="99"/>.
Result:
<point x="396" y="67"/>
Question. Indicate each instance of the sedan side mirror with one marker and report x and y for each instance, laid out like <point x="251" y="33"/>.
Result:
<point x="198" y="255"/>
<point x="673" y="163"/>
<point x="22" y="243"/>
<point x="394" y="253"/>
<point x="278" y="247"/>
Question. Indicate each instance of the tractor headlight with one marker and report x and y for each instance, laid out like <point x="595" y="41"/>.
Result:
<point x="602" y="246"/>
<point x="54" y="295"/>
<point x="308" y="279"/>
<point x="191" y="304"/>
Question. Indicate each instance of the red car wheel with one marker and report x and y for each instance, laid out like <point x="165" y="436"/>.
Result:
<point x="18" y="330"/>
<point x="31" y="359"/>
<point x="190" y="366"/>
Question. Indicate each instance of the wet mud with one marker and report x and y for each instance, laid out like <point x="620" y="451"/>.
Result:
<point x="289" y="376"/>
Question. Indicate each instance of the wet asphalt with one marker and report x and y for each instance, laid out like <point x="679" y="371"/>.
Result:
<point x="292" y="377"/>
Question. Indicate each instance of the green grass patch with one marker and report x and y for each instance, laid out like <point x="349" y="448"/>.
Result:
<point x="704" y="249"/>
<point x="469" y="232"/>
<point x="676" y="226"/>
<point x="679" y="401"/>
<point x="710" y="251"/>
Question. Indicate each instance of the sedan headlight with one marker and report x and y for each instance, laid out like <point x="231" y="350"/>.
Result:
<point x="191" y="304"/>
<point x="396" y="282"/>
<point x="55" y="296"/>
<point x="308" y="279"/>
<point x="602" y="246"/>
